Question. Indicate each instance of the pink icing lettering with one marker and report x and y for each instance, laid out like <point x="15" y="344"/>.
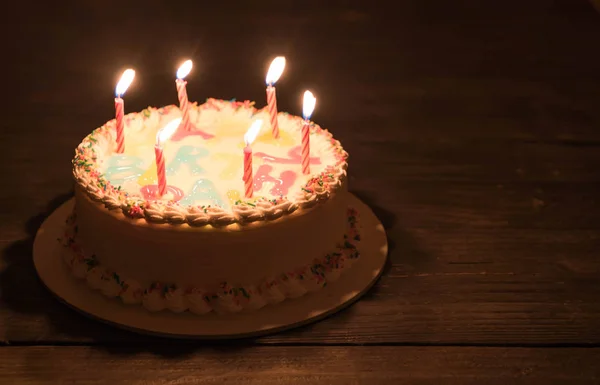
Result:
<point x="150" y="192"/>
<point x="281" y="185"/>
<point x="180" y="133"/>
<point x="294" y="157"/>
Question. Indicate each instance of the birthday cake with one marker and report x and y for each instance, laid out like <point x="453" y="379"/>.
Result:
<point x="204" y="245"/>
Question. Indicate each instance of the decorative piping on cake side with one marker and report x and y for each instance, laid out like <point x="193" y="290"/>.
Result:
<point x="316" y="190"/>
<point x="228" y="298"/>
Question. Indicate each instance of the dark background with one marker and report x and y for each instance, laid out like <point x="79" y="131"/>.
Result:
<point x="473" y="129"/>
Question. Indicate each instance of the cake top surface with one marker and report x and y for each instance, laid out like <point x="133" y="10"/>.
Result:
<point x="205" y="166"/>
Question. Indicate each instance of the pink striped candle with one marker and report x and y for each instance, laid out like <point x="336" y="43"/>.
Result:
<point x="160" y="170"/>
<point x="272" y="107"/>
<point x="119" y="107"/>
<point x="274" y="73"/>
<point x="307" y="109"/>
<point x="249" y="137"/>
<point x="184" y="106"/>
<point x="161" y="136"/>
<point x="248" y="179"/>
<point x="122" y="86"/>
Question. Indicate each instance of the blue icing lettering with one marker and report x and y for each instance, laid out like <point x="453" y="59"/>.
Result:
<point x="188" y="156"/>
<point x="122" y="168"/>
<point x="203" y="190"/>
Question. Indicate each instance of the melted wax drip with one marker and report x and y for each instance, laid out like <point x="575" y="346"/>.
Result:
<point x="122" y="168"/>
<point x="150" y="192"/>
<point x="294" y="157"/>
<point x="203" y="190"/>
<point x="188" y="155"/>
<point x="281" y="185"/>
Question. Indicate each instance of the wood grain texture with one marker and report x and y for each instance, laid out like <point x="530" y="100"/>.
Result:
<point x="298" y="365"/>
<point x="473" y="129"/>
<point x="449" y="285"/>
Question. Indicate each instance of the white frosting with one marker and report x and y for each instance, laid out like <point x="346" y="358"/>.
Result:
<point x="204" y="230"/>
<point x="132" y="293"/>
<point x="154" y="301"/>
<point x="292" y="287"/>
<point x="209" y="171"/>
<point x="175" y="300"/>
<point x="196" y="302"/>
<point x="94" y="277"/>
<point x="227" y="299"/>
<point x="110" y="288"/>
<point x="79" y="268"/>
<point x="271" y="292"/>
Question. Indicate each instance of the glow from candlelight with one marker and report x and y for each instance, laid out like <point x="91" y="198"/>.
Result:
<point x="124" y="82"/>
<point x="275" y="70"/>
<point x="308" y="106"/>
<point x="184" y="69"/>
<point x="252" y="132"/>
<point x="167" y="131"/>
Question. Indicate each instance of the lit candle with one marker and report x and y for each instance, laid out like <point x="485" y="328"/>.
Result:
<point x="249" y="137"/>
<point x="274" y="73"/>
<point x="161" y="136"/>
<point x="122" y="86"/>
<point x="182" y="72"/>
<point x="307" y="109"/>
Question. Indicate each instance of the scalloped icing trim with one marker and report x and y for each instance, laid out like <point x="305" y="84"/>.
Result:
<point x="318" y="188"/>
<point x="227" y="299"/>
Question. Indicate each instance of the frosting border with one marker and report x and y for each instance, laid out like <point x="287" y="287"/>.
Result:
<point x="317" y="190"/>
<point x="227" y="298"/>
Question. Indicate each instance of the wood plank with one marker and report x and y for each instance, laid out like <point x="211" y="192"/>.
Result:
<point x="166" y="364"/>
<point x="477" y="150"/>
<point x="477" y="285"/>
<point x="468" y="206"/>
<point x="543" y="85"/>
<point x="403" y="204"/>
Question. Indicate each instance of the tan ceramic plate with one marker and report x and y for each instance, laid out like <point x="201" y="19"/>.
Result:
<point x="289" y="314"/>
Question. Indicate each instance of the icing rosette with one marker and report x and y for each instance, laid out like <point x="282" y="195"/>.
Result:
<point x="350" y="253"/>
<point x="175" y="214"/>
<point x="254" y="301"/>
<point x="174" y="299"/>
<point x="291" y="285"/>
<point x="131" y="292"/>
<point x="110" y="284"/>
<point x="94" y="277"/>
<point x="80" y="267"/>
<point x="270" y="291"/>
<point x="333" y="264"/>
<point x="312" y="277"/>
<point x="197" y="301"/>
<point x="247" y="214"/>
<point x="68" y="256"/>
<point x="227" y="298"/>
<point x="153" y="298"/>
<point x="197" y="216"/>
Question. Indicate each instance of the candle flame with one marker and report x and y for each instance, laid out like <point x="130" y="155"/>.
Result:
<point x="275" y="70"/>
<point x="252" y="132"/>
<point x="167" y="131"/>
<point x="184" y="69"/>
<point x="124" y="82"/>
<point x="309" y="104"/>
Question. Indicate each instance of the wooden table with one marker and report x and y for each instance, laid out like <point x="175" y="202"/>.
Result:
<point x="474" y="133"/>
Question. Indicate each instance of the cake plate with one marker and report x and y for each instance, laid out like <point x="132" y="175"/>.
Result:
<point x="288" y="314"/>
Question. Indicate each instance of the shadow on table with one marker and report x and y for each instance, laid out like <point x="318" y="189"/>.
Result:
<point x="32" y="313"/>
<point x="402" y="248"/>
<point x="35" y="315"/>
